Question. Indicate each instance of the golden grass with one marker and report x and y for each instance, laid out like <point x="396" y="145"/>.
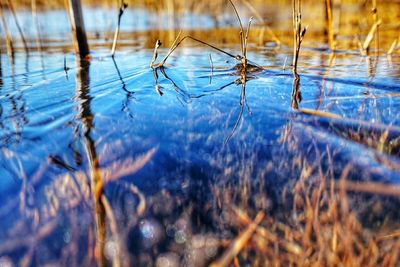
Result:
<point x="318" y="224"/>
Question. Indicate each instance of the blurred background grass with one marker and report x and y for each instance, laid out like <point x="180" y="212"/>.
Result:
<point x="352" y="20"/>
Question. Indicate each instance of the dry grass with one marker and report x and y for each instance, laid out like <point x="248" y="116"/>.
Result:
<point x="319" y="223"/>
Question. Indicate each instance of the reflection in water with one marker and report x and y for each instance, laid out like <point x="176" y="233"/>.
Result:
<point x="16" y="114"/>
<point x="183" y="96"/>
<point x="186" y="98"/>
<point x="243" y="102"/>
<point x="1" y="87"/>
<point x="38" y="35"/>
<point x="296" y="93"/>
<point x="129" y="94"/>
<point x="372" y="66"/>
<point x="157" y="86"/>
<point x="86" y="116"/>
<point x="1" y="70"/>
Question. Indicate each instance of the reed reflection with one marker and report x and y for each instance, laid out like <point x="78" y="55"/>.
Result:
<point x="86" y="117"/>
<point x="296" y="92"/>
<point x="1" y="71"/>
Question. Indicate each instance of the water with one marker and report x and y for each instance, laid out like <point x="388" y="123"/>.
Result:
<point x="165" y="142"/>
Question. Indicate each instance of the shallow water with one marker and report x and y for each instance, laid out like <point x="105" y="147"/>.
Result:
<point x="175" y="134"/>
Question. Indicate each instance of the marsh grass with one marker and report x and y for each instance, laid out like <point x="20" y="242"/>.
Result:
<point x="319" y="215"/>
<point x="243" y="36"/>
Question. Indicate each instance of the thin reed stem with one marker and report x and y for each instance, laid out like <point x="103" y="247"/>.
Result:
<point x="241" y="33"/>
<point x="247" y="37"/>
<point x="298" y="34"/>
<point x="329" y="13"/>
<point x="12" y="9"/>
<point x="155" y="53"/>
<point x="376" y="19"/>
<point x="211" y="67"/>
<point x="176" y="44"/>
<point x="6" y="31"/>
<point x="122" y="8"/>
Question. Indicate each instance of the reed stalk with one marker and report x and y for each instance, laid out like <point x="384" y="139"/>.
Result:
<point x="155" y="53"/>
<point x="122" y="8"/>
<point x="14" y="14"/>
<point x="329" y="22"/>
<point x="376" y="19"/>
<point x="78" y="31"/>
<point x="370" y="37"/>
<point x="298" y="34"/>
<point x="37" y="26"/>
<point x="6" y="31"/>
<point x="177" y="43"/>
<point x="243" y="36"/>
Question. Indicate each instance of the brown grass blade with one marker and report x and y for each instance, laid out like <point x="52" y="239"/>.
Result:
<point x="126" y="167"/>
<point x="238" y="244"/>
<point x="392" y="47"/>
<point x="370" y="188"/>
<point x="370" y="36"/>
<point x="319" y="113"/>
